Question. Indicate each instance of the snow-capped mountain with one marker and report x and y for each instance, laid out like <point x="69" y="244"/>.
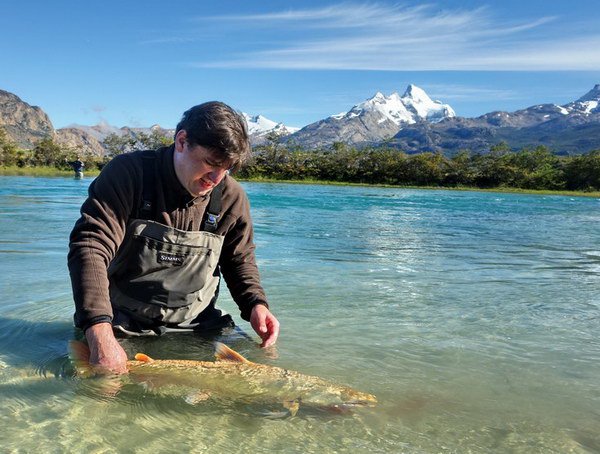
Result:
<point x="413" y="106"/>
<point x="375" y="119"/>
<point x="260" y="127"/>
<point x="411" y="122"/>
<point x="423" y="107"/>
<point x="568" y="128"/>
<point x="258" y="124"/>
<point x="587" y="104"/>
<point x="388" y="107"/>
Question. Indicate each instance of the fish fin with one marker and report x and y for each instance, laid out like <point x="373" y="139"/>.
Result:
<point x="143" y="358"/>
<point x="292" y="406"/>
<point x="108" y="386"/>
<point x="291" y="409"/>
<point x="79" y="352"/>
<point x="224" y="353"/>
<point x="275" y="414"/>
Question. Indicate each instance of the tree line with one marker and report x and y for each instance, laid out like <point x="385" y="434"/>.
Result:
<point x="529" y="168"/>
<point x="47" y="152"/>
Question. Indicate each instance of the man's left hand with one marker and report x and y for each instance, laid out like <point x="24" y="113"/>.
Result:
<point x="265" y="324"/>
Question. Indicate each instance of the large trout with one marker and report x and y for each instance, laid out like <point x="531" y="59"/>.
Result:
<point x="234" y="377"/>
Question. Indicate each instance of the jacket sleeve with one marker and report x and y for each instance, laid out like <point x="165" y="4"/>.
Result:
<point x="238" y="261"/>
<point x="97" y="236"/>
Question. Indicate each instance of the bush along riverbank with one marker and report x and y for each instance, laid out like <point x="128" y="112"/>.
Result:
<point x="528" y="169"/>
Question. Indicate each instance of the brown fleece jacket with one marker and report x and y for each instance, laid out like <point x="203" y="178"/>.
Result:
<point x="113" y="200"/>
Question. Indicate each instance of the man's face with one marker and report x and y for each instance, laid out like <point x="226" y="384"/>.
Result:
<point x="198" y="169"/>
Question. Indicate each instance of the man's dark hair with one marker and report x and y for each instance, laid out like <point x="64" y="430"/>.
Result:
<point x="218" y="127"/>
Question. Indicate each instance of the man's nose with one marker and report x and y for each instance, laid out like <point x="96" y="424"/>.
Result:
<point x="217" y="174"/>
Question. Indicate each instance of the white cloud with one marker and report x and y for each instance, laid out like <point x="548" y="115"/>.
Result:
<point x="401" y="38"/>
<point x="168" y="40"/>
<point x="462" y="93"/>
<point x="96" y="108"/>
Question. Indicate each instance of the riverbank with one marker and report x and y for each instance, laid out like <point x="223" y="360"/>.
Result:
<point x="12" y="171"/>
<point x="53" y="172"/>
<point x="593" y="194"/>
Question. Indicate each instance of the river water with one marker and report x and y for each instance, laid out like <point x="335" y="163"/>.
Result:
<point x="473" y="317"/>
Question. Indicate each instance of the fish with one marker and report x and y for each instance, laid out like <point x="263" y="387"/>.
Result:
<point x="232" y="376"/>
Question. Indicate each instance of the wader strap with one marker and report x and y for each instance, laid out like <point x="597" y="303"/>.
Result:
<point x="146" y="210"/>
<point x="213" y="211"/>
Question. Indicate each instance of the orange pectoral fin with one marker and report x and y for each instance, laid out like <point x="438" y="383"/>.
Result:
<point x="143" y="358"/>
<point x="224" y="353"/>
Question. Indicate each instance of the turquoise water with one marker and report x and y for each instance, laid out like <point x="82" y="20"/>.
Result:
<point x="472" y="316"/>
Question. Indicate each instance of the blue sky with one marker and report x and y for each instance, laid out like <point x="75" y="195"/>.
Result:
<point x="143" y="63"/>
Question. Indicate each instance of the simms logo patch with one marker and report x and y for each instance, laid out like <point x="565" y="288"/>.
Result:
<point x="173" y="259"/>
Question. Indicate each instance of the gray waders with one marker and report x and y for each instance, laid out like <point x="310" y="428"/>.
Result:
<point x="165" y="279"/>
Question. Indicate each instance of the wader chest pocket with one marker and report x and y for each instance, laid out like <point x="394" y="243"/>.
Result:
<point x="163" y="273"/>
<point x="168" y="253"/>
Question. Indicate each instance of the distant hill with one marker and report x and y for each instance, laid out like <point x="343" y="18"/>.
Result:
<point x="90" y="139"/>
<point x="24" y="124"/>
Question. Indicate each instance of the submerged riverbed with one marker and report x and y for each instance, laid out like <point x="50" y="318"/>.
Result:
<point x="472" y="316"/>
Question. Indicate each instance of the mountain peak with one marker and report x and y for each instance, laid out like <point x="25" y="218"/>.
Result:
<point x="592" y="95"/>
<point x="413" y="106"/>
<point x="587" y="104"/>
<point x="259" y="125"/>
<point x="417" y="101"/>
<point x="416" y="93"/>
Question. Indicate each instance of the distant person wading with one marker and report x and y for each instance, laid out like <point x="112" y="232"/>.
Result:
<point x="78" y="166"/>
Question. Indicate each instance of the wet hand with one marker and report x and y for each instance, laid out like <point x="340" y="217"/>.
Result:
<point x="265" y="324"/>
<point x="106" y="354"/>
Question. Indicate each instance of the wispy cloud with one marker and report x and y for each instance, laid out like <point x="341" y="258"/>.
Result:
<point x="398" y="37"/>
<point x="169" y="40"/>
<point x="96" y="108"/>
<point x="457" y="92"/>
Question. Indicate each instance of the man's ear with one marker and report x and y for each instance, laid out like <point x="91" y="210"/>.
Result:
<point x="180" y="139"/>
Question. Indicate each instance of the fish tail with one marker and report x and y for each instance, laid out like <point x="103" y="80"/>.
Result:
<point x="292" y="406"/>
<point x="79" y="353"/>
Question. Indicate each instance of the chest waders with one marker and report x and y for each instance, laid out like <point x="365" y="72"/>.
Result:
<point x="165" y="279"/>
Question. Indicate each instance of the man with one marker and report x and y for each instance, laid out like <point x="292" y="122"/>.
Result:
<point x="78" y="166"/>
<point x="157" y="231"/>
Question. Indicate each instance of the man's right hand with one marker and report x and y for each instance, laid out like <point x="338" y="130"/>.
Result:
<point x="106" y="354"/>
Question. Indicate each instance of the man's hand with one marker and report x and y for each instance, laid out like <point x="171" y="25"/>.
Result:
<point x="265" y="324"/>
<point x="106" y="354"/>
